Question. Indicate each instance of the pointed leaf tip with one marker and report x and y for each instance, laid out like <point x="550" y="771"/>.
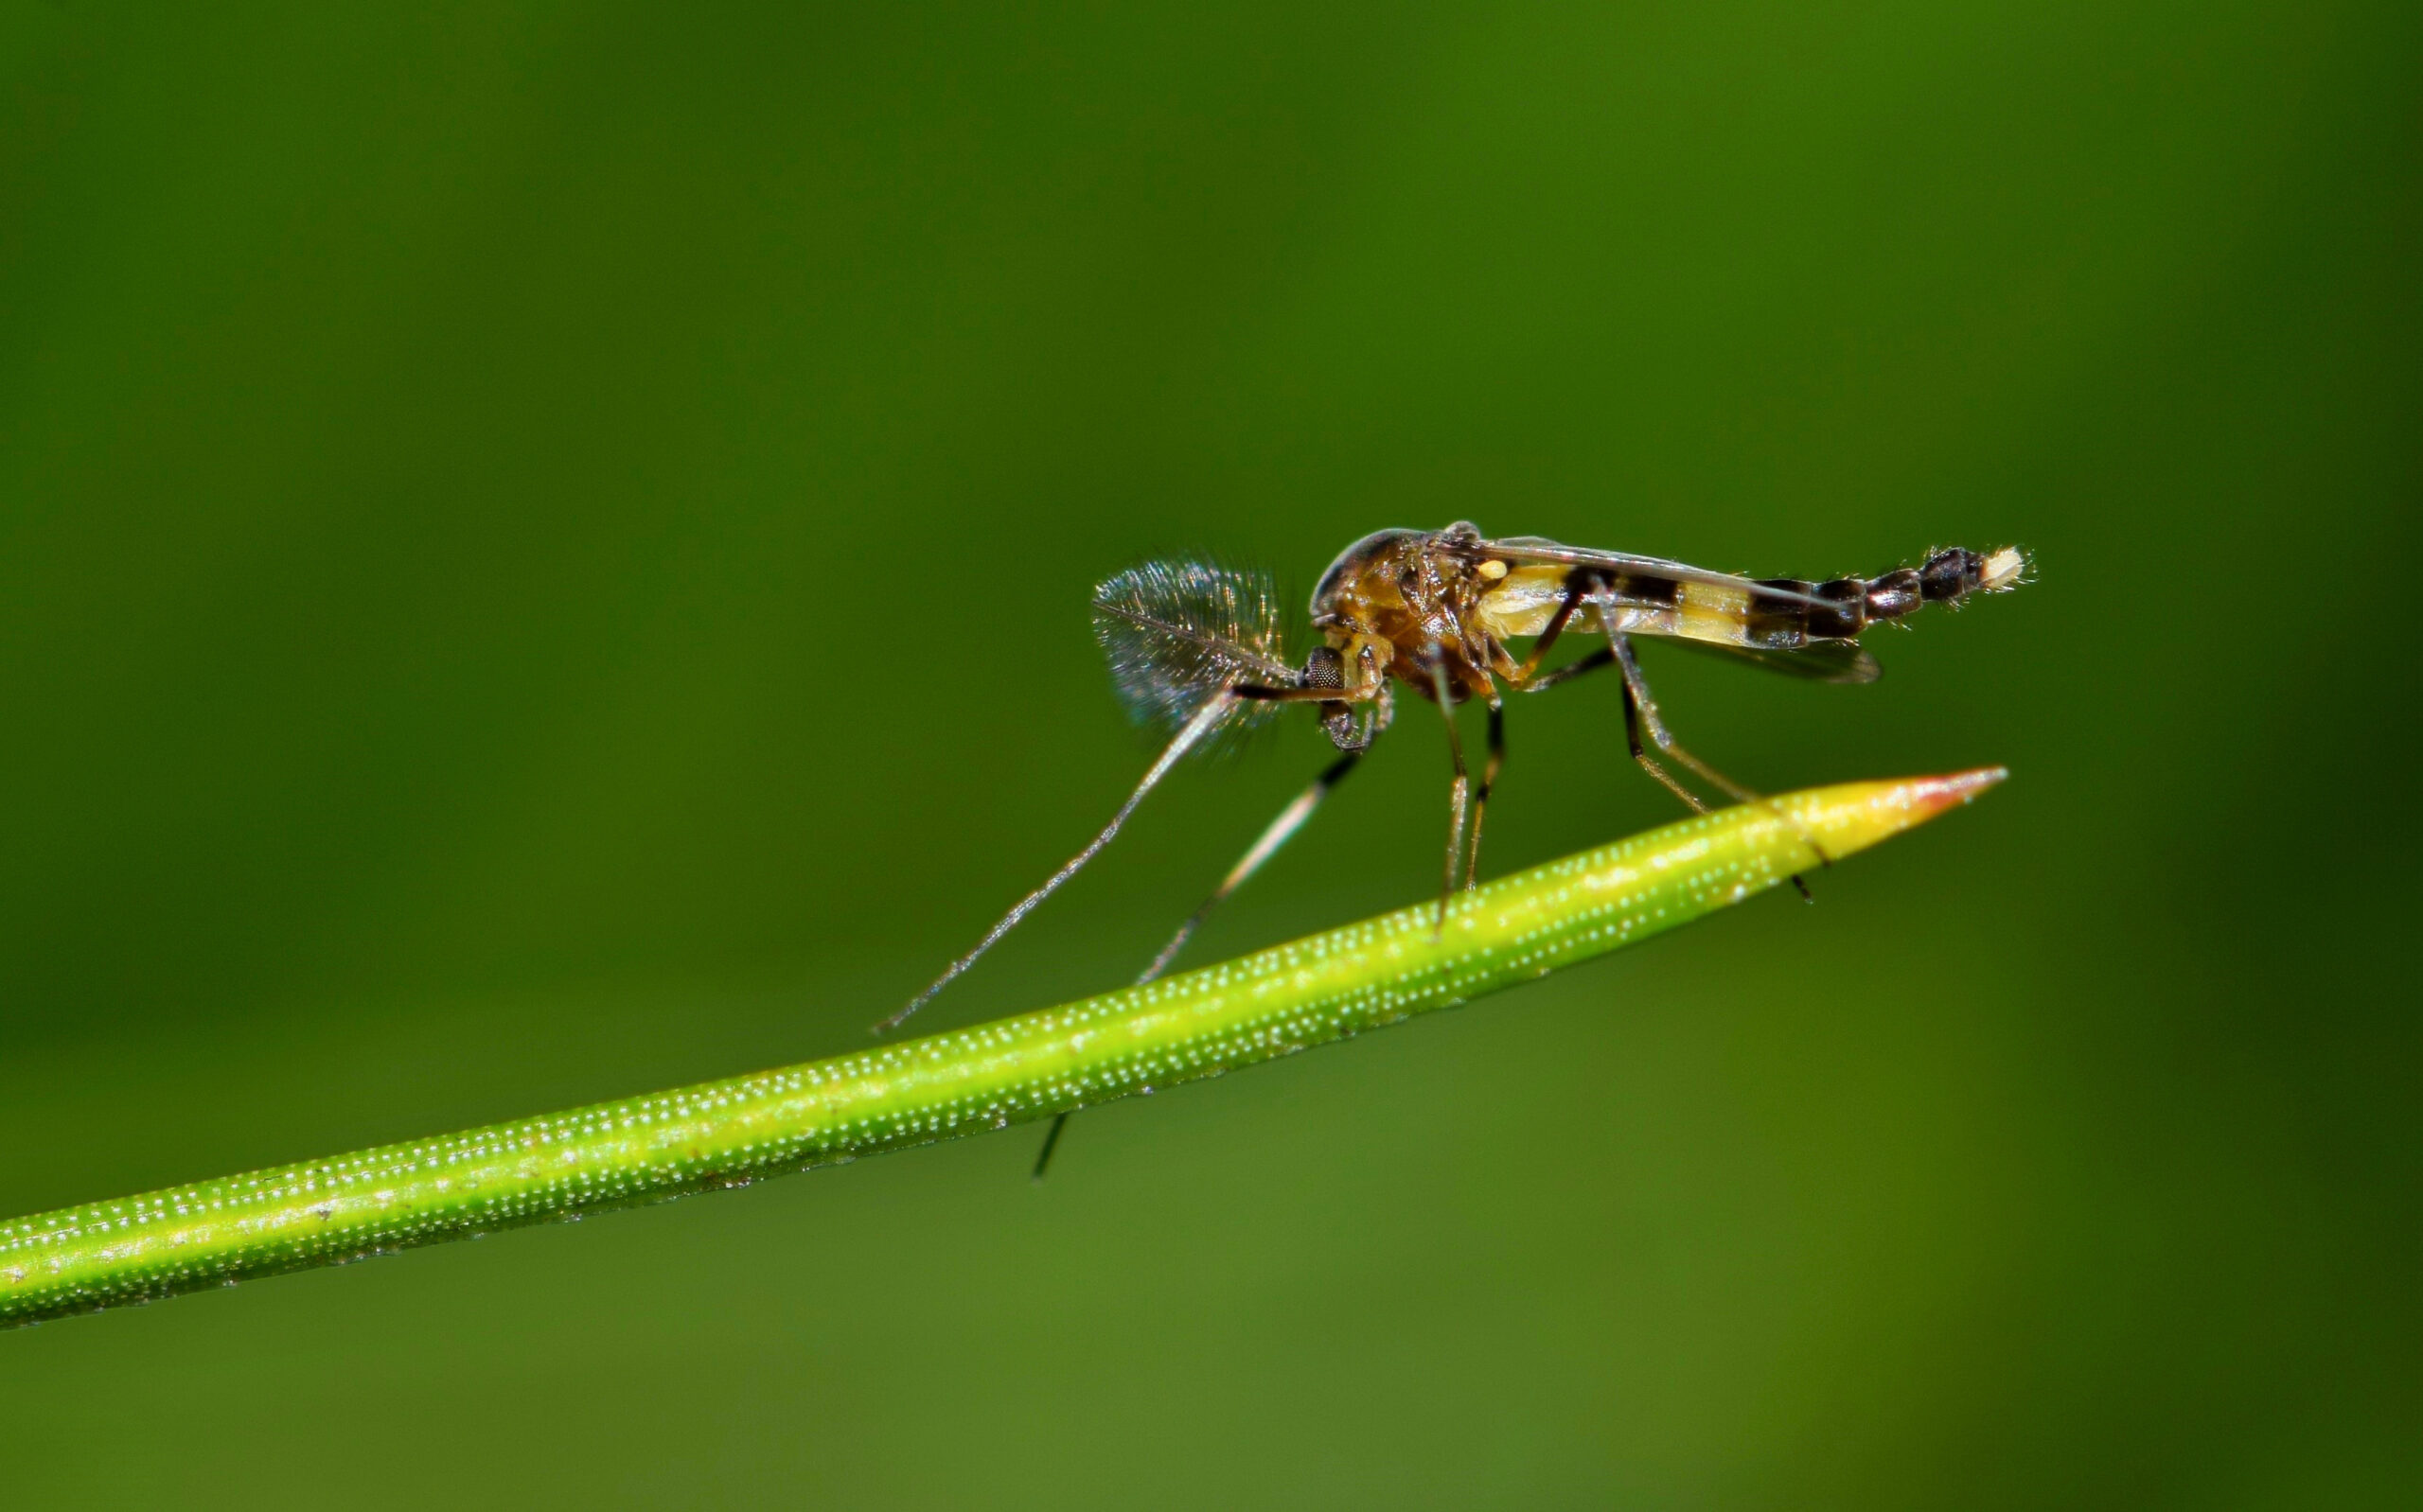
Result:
<point x="1937" y="793"/>
<point x="1854" y="816"/>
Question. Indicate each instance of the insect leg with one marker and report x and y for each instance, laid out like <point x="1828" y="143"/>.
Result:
<point x="1638" y="708"/>
<point x="1488" y="782"/>
<point x="1457" y="791"/>
<point x="1050" y="1143"/>
<point x="1641" y="709"/>
<point x="1601" y="657"/>
<point x="1204" y="722"/>
<point x="1257" y="693"/>
<point x="1649" y="764"/>
<point x="1575" y="586"/>
<point x="1278" y="833"/>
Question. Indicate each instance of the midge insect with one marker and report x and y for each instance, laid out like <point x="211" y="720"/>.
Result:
<point x="1199" y="649"/>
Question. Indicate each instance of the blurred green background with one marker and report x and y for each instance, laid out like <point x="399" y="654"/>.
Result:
<point x="543" y="554"/>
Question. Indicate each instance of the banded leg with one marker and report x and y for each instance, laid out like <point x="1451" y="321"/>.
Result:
<point x="1205" y="719"/>
<point x="1641" y="709"/>
<point x="1276" y="835"/>
<point x="1488" y="783"/>
<point x="1458" y="792"/>
<point x="1521" y="677"/>
<point x="1635" y="696"/>
<point x="1649" y="764"/>
<point x="1634" y="692"/>
<point x="1601" y="657"/>
<point x="1637" y="687"/>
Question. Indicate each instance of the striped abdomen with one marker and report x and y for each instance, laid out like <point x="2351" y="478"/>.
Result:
<point x="1784" y="614"/>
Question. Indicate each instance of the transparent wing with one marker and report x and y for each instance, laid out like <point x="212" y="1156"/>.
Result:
<point x="1845" y="661"/>
<point x="1530" y="551"/>
<point x="1178" y="633"/>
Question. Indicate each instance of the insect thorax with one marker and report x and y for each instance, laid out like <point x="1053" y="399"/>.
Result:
<point x="1411" y="590"/>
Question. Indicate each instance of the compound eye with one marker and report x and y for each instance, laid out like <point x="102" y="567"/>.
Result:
<point x="1325" y="668"/>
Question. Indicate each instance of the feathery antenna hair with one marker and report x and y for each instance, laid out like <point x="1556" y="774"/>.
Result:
<point x="1178" y="633"/>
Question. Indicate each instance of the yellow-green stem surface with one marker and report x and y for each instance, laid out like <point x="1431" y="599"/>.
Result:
<point x="1315" y="991"/>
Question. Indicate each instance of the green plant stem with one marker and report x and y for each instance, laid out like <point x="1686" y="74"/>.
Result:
<point x="1274" y="1002"/>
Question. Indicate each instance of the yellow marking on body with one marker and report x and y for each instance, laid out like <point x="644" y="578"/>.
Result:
<point x="1641" y="619"/>
<point x="1522" y="603"/>
<point x="1370" y="651"/>
<point x="1712" y="611"/>
<point x="1493" y="570"/>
